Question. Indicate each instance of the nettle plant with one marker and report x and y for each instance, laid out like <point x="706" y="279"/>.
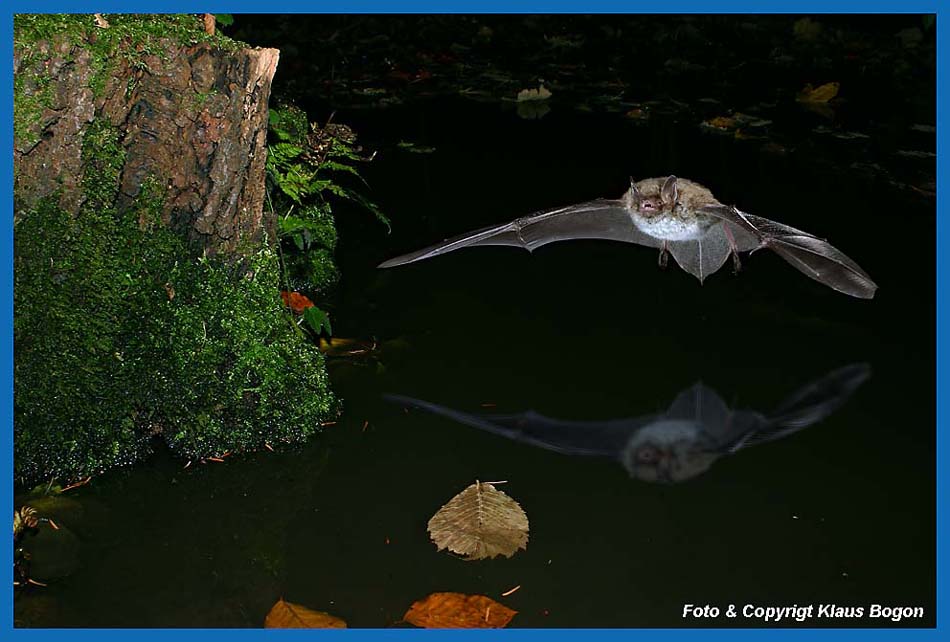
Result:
<point x="309" y="169"/>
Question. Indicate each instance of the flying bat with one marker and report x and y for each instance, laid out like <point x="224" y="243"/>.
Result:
<point x="672" y="446"/>
<point x="678" y="217"/>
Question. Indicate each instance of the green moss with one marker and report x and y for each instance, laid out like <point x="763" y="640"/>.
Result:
<point x="121" y="334"/>
<point x="137" y="31"/>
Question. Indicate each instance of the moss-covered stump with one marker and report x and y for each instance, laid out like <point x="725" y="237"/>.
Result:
<point x="146" y="292"/>
<point x="191" y="110"/>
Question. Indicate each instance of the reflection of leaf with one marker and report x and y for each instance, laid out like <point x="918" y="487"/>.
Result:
<point x="287" y="615"/>
<point x="479" y="523"/>
<point x="532" y="110"/>
<point x="459" y="611"/>
<point x="342" y="347"/>
<point x="414" y="148"/>
<point x="820" y="94"/>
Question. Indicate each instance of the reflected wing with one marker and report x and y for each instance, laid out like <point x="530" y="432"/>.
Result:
<point x="724" y="427"/>
<point x="810" y="404"/>
<point x="600" y="219"/>
<point x="592" y="438"/>
<point x="812" y="256"/>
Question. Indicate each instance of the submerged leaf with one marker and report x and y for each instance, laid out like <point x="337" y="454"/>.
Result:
<point x="459" y="611"/>
<point x="287" y="615"/>
<point x="820" y="94"/>
<point x="480" y="522"/>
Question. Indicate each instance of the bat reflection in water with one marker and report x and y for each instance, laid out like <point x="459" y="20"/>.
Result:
<point x="678" y="217"/>
<point x="676" y="445"/>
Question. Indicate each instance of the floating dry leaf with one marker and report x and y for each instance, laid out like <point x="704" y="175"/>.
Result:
<point x="287" y="615"/>
<point x="820" y="94"/>
<point x="459" y="611"/>
<point x="479" y="523"/>
<point x="541" y="93"/>
<point x="723" y="123"/>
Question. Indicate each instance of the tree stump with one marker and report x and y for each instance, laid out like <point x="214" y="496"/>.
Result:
<point x="191" y="117"/>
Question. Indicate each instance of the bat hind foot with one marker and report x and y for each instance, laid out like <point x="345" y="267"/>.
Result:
<point x="736" y="263"/>
<point x="663" y="258"/>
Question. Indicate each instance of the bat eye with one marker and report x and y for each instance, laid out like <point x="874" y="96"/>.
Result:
<point x="647" y="455"/>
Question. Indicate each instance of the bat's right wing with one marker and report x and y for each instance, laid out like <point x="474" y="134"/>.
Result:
<point x="599" y="219"/>
<point x="811" y="255"/>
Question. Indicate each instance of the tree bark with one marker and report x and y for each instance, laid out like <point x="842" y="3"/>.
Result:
<point x="191" y="118"/>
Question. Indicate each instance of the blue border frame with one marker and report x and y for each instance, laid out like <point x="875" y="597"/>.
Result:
<point x="469" y="6"/>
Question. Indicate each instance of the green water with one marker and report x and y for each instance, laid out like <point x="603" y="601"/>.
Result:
<point x="841" y="512"/>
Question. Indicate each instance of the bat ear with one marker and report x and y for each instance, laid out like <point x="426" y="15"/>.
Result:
<point x="633" y="196"/>
<point x="668" y="192"/>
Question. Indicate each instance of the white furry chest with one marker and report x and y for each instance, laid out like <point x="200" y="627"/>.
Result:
<point x="671" y="228"/>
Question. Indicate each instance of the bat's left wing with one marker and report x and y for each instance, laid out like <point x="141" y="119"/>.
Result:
<point x="811" y="255"/>
<point x="599" y="219"/>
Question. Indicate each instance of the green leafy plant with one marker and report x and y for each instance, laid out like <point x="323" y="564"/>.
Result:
<point x="311" y="168"/>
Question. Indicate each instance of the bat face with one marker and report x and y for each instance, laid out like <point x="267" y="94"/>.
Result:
<point x="678" y="217"/>
<point x="670" y="451"/>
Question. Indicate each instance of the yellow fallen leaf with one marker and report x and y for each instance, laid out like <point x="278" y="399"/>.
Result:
<point x="459" y="611"/>
<point x="820" y="94"/>
<point x="287" y="615"/>
<point x="480" y="523"/>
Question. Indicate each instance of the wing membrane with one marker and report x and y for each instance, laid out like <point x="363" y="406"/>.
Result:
<point x="599" y="219"/>
<point x="812" y="256"/>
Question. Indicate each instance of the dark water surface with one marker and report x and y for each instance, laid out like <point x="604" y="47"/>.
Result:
<point x="841" y="512"/>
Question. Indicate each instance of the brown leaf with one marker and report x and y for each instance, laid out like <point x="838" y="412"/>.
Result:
<point x="209" y="20"/>
<point x="287" y="615"/>
<point x="459" y="611"/>
<point x="720" y="122"/>
<point x="479" y="523"/>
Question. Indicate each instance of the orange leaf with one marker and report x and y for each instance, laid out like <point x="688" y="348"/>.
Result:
<point x="296" y="301"/>
<point x="459" y="611"/>
<point x="287" y="615"/>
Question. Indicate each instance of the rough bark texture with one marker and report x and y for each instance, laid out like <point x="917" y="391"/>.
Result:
<point x="192" y="118"/>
